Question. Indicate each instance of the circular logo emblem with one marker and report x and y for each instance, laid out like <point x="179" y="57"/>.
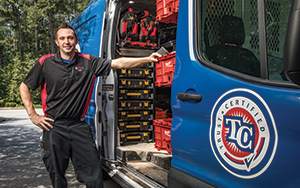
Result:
<point x="243" y="134"/>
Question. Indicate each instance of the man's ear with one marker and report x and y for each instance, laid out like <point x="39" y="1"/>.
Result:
<point x="56" y="42"/>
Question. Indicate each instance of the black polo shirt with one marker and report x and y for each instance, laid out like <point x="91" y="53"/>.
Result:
<point x="66" y="89"/>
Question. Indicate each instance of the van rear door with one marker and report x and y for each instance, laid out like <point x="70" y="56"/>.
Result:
<point x="235" y="115"/>
<point x="89" y="29"/>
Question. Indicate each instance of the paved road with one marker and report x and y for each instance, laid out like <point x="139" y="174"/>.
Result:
<point x="20" y="155"/>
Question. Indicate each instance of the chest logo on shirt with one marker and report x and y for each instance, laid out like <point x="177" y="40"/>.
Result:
<point x="243" y="134"/>
<point x="78" y="68"/>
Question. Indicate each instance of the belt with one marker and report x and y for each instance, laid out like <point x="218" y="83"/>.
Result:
<point x="70" y="119"/>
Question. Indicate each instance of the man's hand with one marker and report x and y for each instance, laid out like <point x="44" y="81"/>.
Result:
<point x="38" y="120"/>
<point x="153" y="57"/>
<point x="41" y="121"/>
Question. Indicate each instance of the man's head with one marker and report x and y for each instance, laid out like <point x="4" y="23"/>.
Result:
<point x="65" y="25"/>
<point x="66" y="40"/>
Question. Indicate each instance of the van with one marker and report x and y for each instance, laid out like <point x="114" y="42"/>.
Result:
<point x="220" y="107"/>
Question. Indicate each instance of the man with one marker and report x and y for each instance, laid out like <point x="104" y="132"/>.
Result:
<point x="66" y="79"/>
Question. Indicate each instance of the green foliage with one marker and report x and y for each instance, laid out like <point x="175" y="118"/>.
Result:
<point x="2" y="103"/>
<point x="27" y="31"/>
<point x="10" y="104"/>
<point x="38" y="106"/>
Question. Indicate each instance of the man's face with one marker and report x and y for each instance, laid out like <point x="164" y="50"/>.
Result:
<point x="66" y="41"/>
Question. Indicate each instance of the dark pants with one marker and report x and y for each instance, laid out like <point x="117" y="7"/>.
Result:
<point x="70" y="139"/>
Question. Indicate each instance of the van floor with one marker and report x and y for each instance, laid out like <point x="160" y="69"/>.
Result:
<point x="147" y="160"/>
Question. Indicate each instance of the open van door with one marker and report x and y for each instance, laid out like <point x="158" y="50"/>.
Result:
<point x="235" y="115"/>
<point x="89" y="27"/>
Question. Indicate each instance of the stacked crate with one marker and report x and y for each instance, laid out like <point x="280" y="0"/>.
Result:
<point x="167" y="11"/>
<point x="163" y="134"/>
<point x="164" y="70"/>
<point x="135" y="104"/>
<point x="166" y="14"/>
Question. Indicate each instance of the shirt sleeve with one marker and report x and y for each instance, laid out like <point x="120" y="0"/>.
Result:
<point x="101" y="66"/>
<point x="35" y="76"/>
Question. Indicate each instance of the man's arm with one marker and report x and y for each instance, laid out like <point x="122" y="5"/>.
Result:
<point x="37" y="119"/>
<point x="124" y="63"/>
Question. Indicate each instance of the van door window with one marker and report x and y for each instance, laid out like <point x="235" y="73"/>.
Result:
<point x="277" y="16"/>
<point x="229" y="35"/>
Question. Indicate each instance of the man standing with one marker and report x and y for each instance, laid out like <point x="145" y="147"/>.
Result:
<point x="66" y="79"/>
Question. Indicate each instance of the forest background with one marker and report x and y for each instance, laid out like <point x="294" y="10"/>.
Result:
<point x="27" y="31"/>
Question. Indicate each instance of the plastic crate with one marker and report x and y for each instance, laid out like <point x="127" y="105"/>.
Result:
<point x="136" y="73"/>
<point x="135" y="115"/>
<point x="164" y="69"/>
<point x="160" y="113"/>
<point x="162" y="131"/>
<point x="138" y="137"/>
<point x="167" y="11"/>
<point x="135" y="126"/>
<point x="176" y="5"/>
<point x="135" y="105"/>
<point x="135" y="83"/>
<point x="135" y="94"/>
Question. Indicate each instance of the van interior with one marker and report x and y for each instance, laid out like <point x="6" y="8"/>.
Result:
<point x="142" y="101"/>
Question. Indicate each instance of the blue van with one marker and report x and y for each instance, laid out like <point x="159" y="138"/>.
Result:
<point x="233" y="98"/>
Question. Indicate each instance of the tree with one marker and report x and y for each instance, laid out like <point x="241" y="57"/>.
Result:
<point x="11" y="11"/>
<point x="27" y="31"/>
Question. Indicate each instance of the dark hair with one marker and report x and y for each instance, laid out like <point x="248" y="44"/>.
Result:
<point x="65" y="25"/>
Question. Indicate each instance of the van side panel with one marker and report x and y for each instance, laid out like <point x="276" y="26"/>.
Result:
<point x="192" y="149"/>
<point x="88" y="27"/>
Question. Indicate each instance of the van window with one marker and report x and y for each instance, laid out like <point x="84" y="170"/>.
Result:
<point x="229" y="33"/>
<point x="230" y="36"/>
<point x="277" y="16"/>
